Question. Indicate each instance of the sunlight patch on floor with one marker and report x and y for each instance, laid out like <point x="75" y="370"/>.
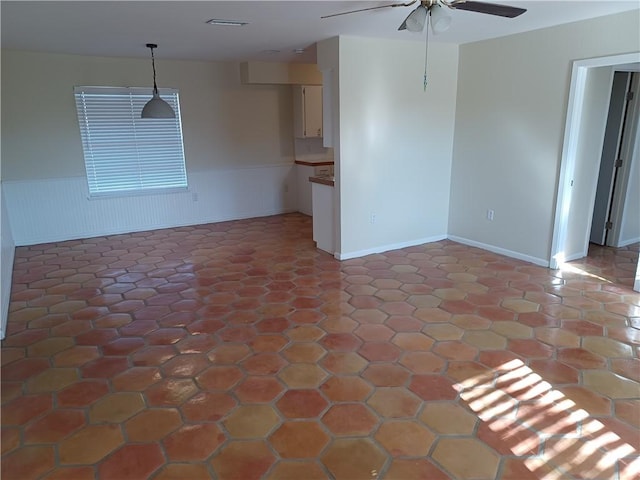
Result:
<point x="532" y="418"/>
<point x="569" y="268"/>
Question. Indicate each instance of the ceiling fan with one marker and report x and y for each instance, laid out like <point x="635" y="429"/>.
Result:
<point x="440" y="21"/>
<point x="416" y="20"/>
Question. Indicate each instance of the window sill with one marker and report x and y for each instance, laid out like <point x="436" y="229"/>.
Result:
<point x="137" y="193"/>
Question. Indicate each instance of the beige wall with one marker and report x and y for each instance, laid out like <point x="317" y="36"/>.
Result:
<point x="394" y="141"/>
<point x="225" y="124"/>
<point x="512" y="102"/>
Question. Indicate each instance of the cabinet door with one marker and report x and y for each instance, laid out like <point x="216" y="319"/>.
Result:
<point x="307" y="108"/>
<point x="304" y="188"/>
<point x="312" y="111"/>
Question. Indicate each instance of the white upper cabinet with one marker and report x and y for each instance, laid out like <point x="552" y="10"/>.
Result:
<point x="307" y="111"/>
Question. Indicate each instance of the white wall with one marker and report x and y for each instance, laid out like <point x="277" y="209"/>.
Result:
<point x="595" y="109"/>
<point x="57" y="209"/>
<point x="630" y="225"/>
<point x="395" y="143"/>
<point x="511" y="108"/>
<point x="238" y="145"/>
<point x="7" y="251"/>
<point x="328" y="58"/>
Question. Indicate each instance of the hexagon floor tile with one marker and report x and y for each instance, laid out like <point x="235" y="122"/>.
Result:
<point x="238" y="350"/>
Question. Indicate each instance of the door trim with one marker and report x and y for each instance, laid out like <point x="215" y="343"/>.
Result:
<point x="569" y="148"/>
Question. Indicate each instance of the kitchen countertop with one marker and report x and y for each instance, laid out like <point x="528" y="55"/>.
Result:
<point x="318" y="163"/>
<point x="323" y="180"/>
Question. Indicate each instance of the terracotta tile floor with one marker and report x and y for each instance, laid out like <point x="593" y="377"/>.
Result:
<point x="239" y="351"/>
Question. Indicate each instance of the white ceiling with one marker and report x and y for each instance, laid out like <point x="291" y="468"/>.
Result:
<point x="122" y="28"/>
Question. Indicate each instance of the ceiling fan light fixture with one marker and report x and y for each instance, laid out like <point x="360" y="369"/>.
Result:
<point x="156" y="107"/>
<point x="440" y="19"/>
<point x="416" y="20"/>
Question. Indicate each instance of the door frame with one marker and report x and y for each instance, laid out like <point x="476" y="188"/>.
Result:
<point x="569" y="147"/>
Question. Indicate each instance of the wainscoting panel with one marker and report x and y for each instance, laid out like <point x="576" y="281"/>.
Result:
<point x="42" y="211"/>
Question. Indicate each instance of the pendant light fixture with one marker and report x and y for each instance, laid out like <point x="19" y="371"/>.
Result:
<point x="156" y="107"/>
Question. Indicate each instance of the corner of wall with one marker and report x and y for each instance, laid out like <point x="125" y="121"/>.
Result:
<point x="7" y="251"/>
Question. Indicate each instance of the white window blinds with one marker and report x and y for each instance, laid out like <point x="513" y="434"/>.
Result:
<point x="124" y="153"/>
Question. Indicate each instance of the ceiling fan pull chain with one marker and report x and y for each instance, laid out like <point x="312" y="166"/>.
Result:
<point x="426" y="53"/>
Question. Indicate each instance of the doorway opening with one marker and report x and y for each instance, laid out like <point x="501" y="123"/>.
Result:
<point x="577" y="184"/>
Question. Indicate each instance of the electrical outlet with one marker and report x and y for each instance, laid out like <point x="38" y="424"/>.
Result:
<point x="490" y="214"/>
<point x="373" y="218"/>
<point x="194" y="196"/>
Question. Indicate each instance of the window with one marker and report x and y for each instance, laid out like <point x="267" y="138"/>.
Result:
<point x="124" y="153"/>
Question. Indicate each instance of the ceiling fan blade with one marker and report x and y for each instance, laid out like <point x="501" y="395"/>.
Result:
<point x="372" y="8"/>
<point x="489" y="8"/>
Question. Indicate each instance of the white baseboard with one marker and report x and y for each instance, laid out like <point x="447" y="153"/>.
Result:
<point x="386" y="248"/>
<point x="502" y="251"/>
<point x="624" y="243"/>
<point x="574" y="256"/>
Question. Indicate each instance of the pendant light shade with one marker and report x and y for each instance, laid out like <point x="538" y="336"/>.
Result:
<point x="416" y="19"/>
<point x="440" y="20"/>
<point x="156" y="107"/>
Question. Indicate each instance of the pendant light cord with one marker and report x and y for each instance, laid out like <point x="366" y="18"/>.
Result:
<point x="426" y="53"/>
<point x="153" y="63"/>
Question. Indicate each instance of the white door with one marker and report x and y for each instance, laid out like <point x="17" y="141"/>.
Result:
<point x="602" y="211"/>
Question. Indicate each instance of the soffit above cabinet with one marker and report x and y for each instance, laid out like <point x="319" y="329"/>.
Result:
<point x="269" y="73"/>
